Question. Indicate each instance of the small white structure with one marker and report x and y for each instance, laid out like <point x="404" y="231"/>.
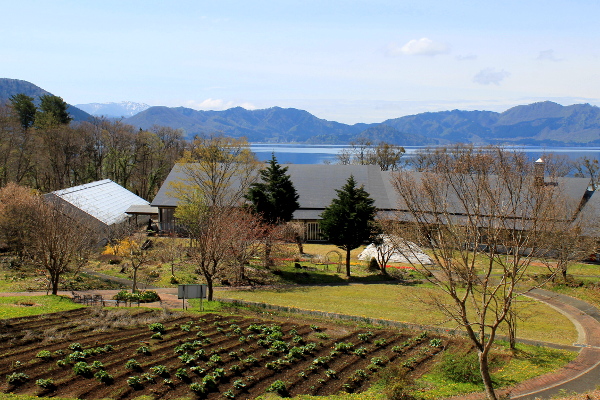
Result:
<point x="398" y="250"/>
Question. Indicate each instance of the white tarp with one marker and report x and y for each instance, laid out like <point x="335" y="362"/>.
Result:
<point x="398" y="250"/>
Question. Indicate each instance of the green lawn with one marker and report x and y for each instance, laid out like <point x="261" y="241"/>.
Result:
<point x="23" y="306"/>
<point x="405" y="304"/>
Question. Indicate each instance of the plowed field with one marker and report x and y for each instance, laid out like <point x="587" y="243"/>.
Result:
<point x="215" y="356"/>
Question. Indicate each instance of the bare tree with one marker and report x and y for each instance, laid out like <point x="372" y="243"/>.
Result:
<point x="484" y="218"/>
<point x="220" y="237"/>
<point x="218" y="169"/>
<point x="60" y="242"/>
<point x="364" y="152"/>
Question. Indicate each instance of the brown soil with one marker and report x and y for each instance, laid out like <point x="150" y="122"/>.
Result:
<point x="230" y="337"/>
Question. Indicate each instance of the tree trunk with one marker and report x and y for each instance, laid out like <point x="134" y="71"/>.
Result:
<point x="299" y="243"/>
<point x="268" y="247"/>
<point x="134" y="285"/>
<point x="485" y="375"/>
<point x="54" y="282"/>
<point x="209" y="288"/>
<point x="348" y="263"/>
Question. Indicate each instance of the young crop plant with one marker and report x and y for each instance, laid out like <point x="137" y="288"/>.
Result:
<point x="44" y="355"/>
<point x="229" y="394"/>
<point x="331" y="373"/>
<point x="135" y="382"/>
<point x="97" y="365"/>
<point x="380" y="342"/>
<point x="133" y="365"/>
<point x="197" y="388"/>
<point x="104" y="377"/>
<point x="144" y="350"/>
<point x="182" y="374"/>
<point x="187" y="358"/>
<point x="343" y="347"/>
<point x="17" y="378"/>
<point x="322" y="335"/>
<point x="278" y="387"/>
<point x="365" y="337"/>
<point x="160" y="370"/>
<point x="45" y="383"/>
<point x="239" y="384"/>
<point x="157" y="327"/>
<point x="82" y="368"/>
<point x="75" y="347"/>
<point x="157" y="336"/>
<point x="435" y="342"/>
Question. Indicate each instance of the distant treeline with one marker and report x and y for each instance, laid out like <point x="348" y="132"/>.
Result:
<point x="43" y="151"/>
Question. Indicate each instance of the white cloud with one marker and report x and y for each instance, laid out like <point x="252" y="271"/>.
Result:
<point x="218" y="105"/>
<point x="490" y="75"/>
<point x="419" y="47"/>
<point x="548" y="55"/>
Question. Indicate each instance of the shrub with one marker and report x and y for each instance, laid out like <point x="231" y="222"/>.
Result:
<point x="45" y="383"/>
<point x="148" y="296"/>
<point x="82" y="368"/>
<point x="278" y="387"/>
<point x="373" y="265"/>
<point x="461" y="367"/>
<point x="17" y="378"/>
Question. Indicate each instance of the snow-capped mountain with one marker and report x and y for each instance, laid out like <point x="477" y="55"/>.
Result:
<point x="114" y="110"/>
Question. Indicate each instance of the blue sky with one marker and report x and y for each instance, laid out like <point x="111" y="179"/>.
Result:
<point x="347" y="61"/>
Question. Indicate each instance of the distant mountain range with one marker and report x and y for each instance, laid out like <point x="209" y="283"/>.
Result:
<point x="113" y="110"/>
<point x="10" y="87"/>
<point x="543" y="124"/>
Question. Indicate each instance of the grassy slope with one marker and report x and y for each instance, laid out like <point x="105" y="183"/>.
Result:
<point x="406" y="304"/>
<point x="22" y="306"/>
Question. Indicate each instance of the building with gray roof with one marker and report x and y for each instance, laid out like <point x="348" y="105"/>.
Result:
<point x="103" y="203"/>
<point x="316" y="185"/>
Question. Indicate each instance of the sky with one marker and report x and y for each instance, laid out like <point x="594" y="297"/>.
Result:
<point x="342" y="60"/>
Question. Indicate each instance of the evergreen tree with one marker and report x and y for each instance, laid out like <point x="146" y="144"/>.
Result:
<point x="25" y="109"/>
<point x="349" y="220"/>
<point x="53" y="112"/>
<point x="275" y="198"/>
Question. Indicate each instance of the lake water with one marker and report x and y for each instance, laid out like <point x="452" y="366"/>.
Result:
<point x="320" y="154"/>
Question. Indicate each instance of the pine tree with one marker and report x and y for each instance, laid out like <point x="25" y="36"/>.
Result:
<point x="275" y="198"/>
<point x="53" y="112"/>
<point x="348" y="221"/>
<point x="25" y="109"/>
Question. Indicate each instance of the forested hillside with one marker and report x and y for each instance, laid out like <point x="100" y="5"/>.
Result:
<point x="57" y="156"/>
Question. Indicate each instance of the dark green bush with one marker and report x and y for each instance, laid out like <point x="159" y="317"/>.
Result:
<point x="148" y="296"/>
